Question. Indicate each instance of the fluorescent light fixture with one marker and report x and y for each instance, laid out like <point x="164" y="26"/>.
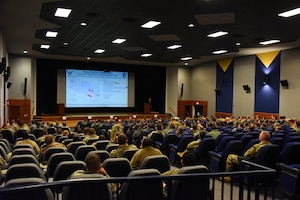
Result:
<point x="150" y="24"/>
<point x="62" y="12"/>
<point x="83" y="24"/>
<point x="146" y="55"/>
<point x="99" y="51"/>
<point x="290" y="13"/>
<point x="175" y="46"/>
<point x="45" y="46"/>
<point x="269" y="42"/>
<point x="52" y="34"/>
<point x="219" y="51"/>
<point x="217" y="34"/>
<point x="118" y="41"/>
<point x="187" y="58"/>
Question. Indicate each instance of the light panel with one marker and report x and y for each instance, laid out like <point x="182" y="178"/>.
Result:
<point x="151" y="24"/>
<point x="290" y="13"/>
<point x="62" y="12"/>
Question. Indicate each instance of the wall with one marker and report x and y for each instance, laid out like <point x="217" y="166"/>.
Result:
<point x="244" y="74"/>
<point x="290" y="70"/>
<point x="171" y="90"/>
<point x="203" y="85"/>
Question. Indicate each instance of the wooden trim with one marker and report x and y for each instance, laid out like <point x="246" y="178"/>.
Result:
<point x="266" y="115"/>
<point x="222" y="114"/>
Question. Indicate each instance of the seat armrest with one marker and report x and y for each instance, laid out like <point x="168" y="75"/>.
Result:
<point x="215" y="155"/>
<point x="289" y="169"/>
<point x="173" y="147"/>
<point x="158" y="145"/>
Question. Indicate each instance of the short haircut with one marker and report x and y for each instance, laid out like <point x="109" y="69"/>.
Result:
<point x="49" y="139"/>
<point x="189" y="158"/>
<point x="122" y="139"/>
<point x="91" y="131"/>
<point x="93" y="162"/>
<point x="147" y="142"/>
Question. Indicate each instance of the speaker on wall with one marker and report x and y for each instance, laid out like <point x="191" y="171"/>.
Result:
<point x="284" y="84"/>
<point x="2" y="65"/>
<point x="25" y="86"/>
<point x="181" y="92"/>
<point x="6" y="74"/>
<point x="8" y="85"/>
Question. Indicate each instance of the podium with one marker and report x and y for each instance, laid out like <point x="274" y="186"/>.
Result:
<point x="147" y="108"/>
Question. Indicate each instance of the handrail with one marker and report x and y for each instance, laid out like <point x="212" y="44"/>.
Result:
<point x="172" y="111"/>
<point x="262" y="171"/>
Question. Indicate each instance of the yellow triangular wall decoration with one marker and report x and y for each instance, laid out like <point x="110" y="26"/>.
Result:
<point x="224" y="64"/>
<point x="267" y="58"/>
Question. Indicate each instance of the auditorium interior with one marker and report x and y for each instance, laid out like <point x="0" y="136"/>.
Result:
<point x="172" y="73"/>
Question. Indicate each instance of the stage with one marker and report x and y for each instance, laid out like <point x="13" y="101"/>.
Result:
<point x="73" y="118"/>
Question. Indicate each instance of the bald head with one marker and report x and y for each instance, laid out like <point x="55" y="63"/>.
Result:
<point x="264" y="136"/>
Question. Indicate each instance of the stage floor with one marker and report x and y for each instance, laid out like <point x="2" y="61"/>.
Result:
<point x="72" y="119"/>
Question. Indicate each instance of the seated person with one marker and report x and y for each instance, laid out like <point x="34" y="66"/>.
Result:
<point x="232" y="159"/>
<point x="192" y="146"/>
<point x="123" y="146"/>
<point x="188" y="159"/>
<point x="91" y="134"/>
<point x="27" y="140"/>
<point x="50" y="142"/>
<point x="147" y="149"/>
<point x="93" y="165"/>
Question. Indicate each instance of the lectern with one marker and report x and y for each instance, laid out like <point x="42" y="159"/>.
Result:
<point x="147" y="107"/>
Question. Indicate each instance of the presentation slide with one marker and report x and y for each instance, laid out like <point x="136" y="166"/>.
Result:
<point x="93" y="88"/>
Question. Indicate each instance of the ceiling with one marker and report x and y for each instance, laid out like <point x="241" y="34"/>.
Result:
<point x="248" y="22"/>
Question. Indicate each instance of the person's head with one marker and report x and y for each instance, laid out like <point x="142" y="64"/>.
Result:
<point x="92" y="131"/>
<point x="49" y="139"/>
<point x="264" y="136"/>
<point x="122" y="139"/>
<point x="147" y="142"/>
<point x="188" y="159"/>
<point x="65" y="133"/>
<point x="179" y="130"/>
<point x="93" y="163"/>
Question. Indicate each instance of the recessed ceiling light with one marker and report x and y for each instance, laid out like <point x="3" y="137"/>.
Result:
<point x="62" y="12"/>
<point x="290" y="13"/>
<point x="191" y="25"/>
<point x="118" y="41"/>
<point x="186" y="64"/>
<point x="66" y="44"/>
<point x="150" y="24"/>
<point x="238" y="44"/>
<point x="146" y="55"/>
<point x="45" y="46"/>
<point x="25" y="52"/>
<point x="176" y="46"/>
<point x="99" y="51"/>
<point x="187" y="58"/>
<point x="52" y="34"/>
<point x="220" y="51"/>
<point x="88" y="58"/>
<point x="83" y="24"/>
<point x="217" y="34"/>
<point x="269" y="42"/>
